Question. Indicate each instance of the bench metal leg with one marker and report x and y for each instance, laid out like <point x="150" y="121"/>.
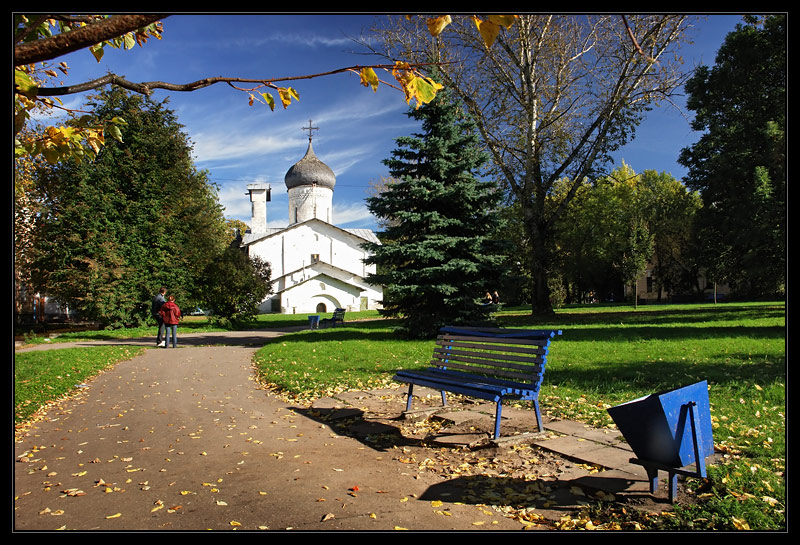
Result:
<point x="538" y="415"/>
<point x="497" y="415"/>
<point x="444" y="398"/>
<point x="410" y="392"/>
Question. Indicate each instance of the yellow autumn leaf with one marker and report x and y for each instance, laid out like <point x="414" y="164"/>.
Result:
<point x="505" y="21"/>
<point x="436" y="503"/>
<point x="487" y="29"/>
<point x="740" y="524"/>
<point x="117" y="515"/>
<point x="400" y="528"/>
<point x="268" y="100"/>
<point x="287" y="94"/>
<point x="437" y="24"/>
<point x="426" y="89"/>
<point x="369" y="78"/>
<point x="235" y="523"/>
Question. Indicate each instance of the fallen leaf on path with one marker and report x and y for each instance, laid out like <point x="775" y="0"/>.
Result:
<point x="116" y="515"/>
<point x="74" y="492"/>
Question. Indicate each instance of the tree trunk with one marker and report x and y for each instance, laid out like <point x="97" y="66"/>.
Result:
<point x="540" y="266"/>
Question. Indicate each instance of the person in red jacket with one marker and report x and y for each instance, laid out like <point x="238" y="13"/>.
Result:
<point x="171" y="315"/>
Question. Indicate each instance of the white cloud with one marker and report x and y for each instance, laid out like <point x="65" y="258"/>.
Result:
<point x="349" y="213"/>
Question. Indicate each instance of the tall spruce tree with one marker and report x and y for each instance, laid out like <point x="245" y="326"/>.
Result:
<point x="438" y="255"/>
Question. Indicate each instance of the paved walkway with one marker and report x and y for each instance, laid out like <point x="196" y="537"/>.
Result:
<point x="186" y="440"/>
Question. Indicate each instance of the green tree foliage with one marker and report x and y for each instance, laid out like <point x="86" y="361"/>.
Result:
<point x="671" y="211"/>
<point x="235" y="284"/>
<point x="739" y="164"/>
<point x="617" y="226"/>
<point x="111" y="231"/>
<point x="438" y="256"/>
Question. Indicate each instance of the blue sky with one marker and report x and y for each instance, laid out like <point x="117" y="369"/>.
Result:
<point x="240" y="144"/>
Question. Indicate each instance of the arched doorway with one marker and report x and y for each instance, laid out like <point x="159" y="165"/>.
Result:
<point x="321" y="307"/>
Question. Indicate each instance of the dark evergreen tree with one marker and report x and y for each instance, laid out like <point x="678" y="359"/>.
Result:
<point x="739" y="164"/>
<point x="113" y="230"/>
<point x="439" y="255"/>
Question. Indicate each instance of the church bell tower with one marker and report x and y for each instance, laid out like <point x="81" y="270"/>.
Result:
<point x="310" y="185"/>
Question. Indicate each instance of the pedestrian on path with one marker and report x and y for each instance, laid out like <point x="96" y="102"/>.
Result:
<point x="171" y="314"/>
<point x="158" y="301"/>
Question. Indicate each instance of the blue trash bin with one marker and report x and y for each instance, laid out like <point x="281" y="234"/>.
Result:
<point x="659" y="427"/>
<point x="667" y="431"/>
<point x="313" y="322"/>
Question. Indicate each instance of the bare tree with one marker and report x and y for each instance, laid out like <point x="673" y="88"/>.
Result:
<point x="552" y="98"/>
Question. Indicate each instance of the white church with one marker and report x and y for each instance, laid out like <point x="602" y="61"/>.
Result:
<point x="316" y="266"/>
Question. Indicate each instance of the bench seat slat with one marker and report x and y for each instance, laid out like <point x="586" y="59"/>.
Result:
<point x="530" y="375"/>
<point x="494" y="341"/>
<point x="535" y="348"/>
<point x="464" y="386"/>
<point x="449" y="375"/>
<point x="525" y="359"/>
<point x="491" y="363"/>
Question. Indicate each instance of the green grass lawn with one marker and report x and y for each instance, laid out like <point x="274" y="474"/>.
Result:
<point x="46" y="376"/>
<point x="607" y="354"/>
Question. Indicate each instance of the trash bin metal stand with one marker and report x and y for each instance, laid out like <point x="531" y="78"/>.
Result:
<point x="673" y="472"/>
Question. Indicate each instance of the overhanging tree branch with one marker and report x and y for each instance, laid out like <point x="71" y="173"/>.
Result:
<point x="87" y="36"/>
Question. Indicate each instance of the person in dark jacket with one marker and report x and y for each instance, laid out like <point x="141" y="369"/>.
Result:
<point x="159" y="300"/>
<point x="171" y="315"/>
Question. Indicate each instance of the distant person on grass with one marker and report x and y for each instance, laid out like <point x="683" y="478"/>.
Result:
<point x="158" y="301"/>
<point x="171" y="315"/>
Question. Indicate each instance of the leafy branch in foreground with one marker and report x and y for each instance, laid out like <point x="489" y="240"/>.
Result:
<point x="43" y="37"/>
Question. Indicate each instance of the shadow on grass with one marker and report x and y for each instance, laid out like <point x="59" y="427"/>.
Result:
<point x="649" y="316"/>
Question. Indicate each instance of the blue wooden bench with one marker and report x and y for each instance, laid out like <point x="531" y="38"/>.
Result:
<point x="487" y="363"/>
<point x="337" y="318"/>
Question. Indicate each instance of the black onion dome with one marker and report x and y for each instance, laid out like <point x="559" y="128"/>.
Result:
<point x="309" y="171"/>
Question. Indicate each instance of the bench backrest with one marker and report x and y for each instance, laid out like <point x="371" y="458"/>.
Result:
<point x="501" y="359"/>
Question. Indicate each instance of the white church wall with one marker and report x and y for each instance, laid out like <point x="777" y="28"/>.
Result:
<point x="304" y="298"/>
<point x="299" y="246"/>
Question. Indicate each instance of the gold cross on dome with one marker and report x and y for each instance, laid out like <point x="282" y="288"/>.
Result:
<point x="309" y="129"/>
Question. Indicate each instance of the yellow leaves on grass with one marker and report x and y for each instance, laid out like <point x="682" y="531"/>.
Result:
<point x="740" y="524"/>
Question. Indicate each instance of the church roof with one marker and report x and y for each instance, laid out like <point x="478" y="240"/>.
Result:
<point x="365" y="234"/>
<point x="310" y="171"/>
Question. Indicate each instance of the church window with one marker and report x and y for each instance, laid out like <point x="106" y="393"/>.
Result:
<point x="314" y="258"/>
